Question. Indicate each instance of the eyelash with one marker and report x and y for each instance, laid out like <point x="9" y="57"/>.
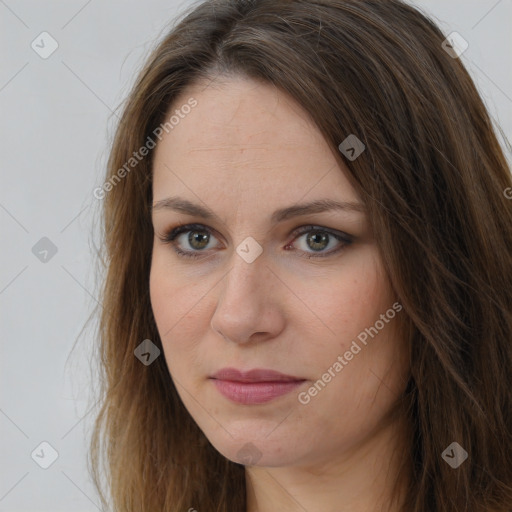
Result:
<point x="171" y="235"/>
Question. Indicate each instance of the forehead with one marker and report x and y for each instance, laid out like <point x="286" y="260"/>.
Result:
<point x="250" y="138"/>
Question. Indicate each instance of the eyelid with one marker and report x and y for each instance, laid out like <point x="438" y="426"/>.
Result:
<point x="306" y="228"/>
<point x="344" y="238"/>
<point x="171" y="234"/>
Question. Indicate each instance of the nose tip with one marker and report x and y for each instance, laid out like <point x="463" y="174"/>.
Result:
<point x="243" y="312"/>
<point x="239" y="339"/>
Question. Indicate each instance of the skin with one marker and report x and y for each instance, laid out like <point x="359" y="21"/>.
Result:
<point x="244" y="151"/>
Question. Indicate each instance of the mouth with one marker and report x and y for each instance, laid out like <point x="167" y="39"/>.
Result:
<point x="253" y="387"/>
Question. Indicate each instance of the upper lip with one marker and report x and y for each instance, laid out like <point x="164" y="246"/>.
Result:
<point x="256" y="375"/>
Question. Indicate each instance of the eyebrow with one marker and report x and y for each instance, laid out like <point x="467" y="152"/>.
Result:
<point x="182" y="205"/>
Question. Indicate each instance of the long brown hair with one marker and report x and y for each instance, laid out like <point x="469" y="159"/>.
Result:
<point x="432" y="177"/>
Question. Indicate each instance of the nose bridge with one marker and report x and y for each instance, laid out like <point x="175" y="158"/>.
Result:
<point x="243" y="300"/>
<point x="244" y="283"/>
<point x="248" y="266"/>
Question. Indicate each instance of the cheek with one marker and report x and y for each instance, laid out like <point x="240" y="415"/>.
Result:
<point x="162" y="292"/>
<point x="178" y="305"/>
<point x="168" y="300"/>
<point x="354" y="299"/>
<point x="354" y="394"/>
<point x="171" y="293"/>
<point x="357" y="308"/>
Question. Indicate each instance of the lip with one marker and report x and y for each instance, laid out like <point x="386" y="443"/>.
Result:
<point x="256" y="386"/>
<point x="256" y="375"/>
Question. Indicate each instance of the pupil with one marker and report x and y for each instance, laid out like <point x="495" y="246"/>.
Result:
<point x="318" y="239"/>
<point x="196" y="236"/>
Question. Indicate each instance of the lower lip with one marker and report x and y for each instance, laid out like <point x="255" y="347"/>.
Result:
<point x="249" y="393"/>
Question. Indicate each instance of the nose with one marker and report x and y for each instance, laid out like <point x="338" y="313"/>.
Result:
<point x="248" y="305"/>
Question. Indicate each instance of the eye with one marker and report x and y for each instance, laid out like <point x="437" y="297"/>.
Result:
<point x="198" y="237"/>
<point x="195" y="236"/>
<point x="318" y="239"/>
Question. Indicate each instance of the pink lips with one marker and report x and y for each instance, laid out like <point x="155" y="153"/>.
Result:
<point x="255" y="386"/>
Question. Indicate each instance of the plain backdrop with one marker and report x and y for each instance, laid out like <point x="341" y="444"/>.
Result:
<point x="57" y="121"/>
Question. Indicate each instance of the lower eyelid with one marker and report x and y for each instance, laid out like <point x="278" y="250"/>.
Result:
<point x="341" y="240"/>
<point x="171" y="237"/>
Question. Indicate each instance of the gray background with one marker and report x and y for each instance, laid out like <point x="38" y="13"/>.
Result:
<point x="58" y="116"/>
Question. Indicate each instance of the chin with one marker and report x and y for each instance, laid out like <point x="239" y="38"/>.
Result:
<point x="254" y="447"/>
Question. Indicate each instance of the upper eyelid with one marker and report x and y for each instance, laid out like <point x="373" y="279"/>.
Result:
<point x="296" y="232"/>
<point x="197" y="225"/>
<point x="344" y="240"/>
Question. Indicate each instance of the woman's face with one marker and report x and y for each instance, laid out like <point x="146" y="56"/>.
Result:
<point x="269" y="285"/>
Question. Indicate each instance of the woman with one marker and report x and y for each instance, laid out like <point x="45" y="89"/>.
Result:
<point x="309" y="290"/>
